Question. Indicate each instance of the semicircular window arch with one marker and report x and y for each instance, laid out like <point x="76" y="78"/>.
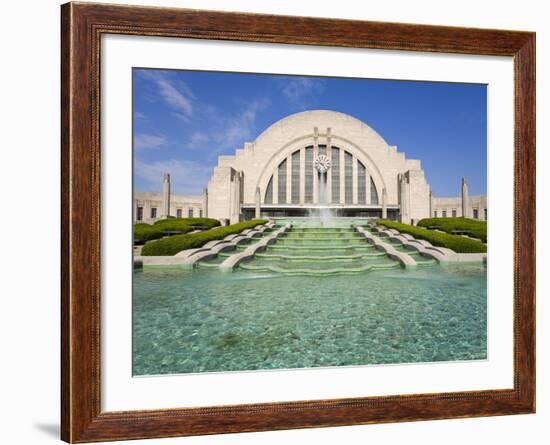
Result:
<point x="348" y="181"/>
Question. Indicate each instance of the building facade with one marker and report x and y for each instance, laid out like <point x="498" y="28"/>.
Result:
<point x="474" y="206"/>
<point x="309" y="162"/>
<point x="152" y="206"/>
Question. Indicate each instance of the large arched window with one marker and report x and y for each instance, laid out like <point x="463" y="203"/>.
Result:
<point x="350" y="180"/>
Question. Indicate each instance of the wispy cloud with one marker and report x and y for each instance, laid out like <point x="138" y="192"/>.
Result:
<point x="187" y="177"/>
<point x="175" y="93"/>
<point x="148" y="141"/>
<point x="301" y="91"/>
<point x="197" y="140"/>
<point x="139" y="115"/>
<point x="241" y="126"/>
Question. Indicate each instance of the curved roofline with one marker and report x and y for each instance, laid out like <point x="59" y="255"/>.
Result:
<point x="309" y="112"/>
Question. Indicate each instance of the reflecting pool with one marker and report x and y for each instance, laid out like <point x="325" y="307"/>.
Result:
<point x="205" y="320"/>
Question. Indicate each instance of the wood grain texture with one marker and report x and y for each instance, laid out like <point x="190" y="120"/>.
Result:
<point x="81" y="28"/>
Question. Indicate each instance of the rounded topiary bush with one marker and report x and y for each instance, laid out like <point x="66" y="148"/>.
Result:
<point x="186" y="223"/>
<point x="476" y="228"/>
<point x="457" y="243"/>
<point x="146" y="232"/>
<point x="175" y="244"/>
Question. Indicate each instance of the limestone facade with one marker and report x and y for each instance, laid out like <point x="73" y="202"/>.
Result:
<point x="149" y="207"/>
<point x="452" y="207"/>
<point x="308" y="162"/>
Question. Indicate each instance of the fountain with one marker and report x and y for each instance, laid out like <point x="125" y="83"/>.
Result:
<point x="324" y="245"/>
<point x="322" y="213"/>
<point x="326" y="216"/>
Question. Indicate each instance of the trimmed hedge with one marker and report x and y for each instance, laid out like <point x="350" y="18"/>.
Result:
<point x="146" y="232"/>
<point x="457" y="243"/>
<point x="175" y="244"/>
<point x="477" y="228"/>
<point x="182" y="223"/>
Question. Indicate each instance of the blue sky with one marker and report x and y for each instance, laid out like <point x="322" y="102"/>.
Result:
<point x="184" y="119"/>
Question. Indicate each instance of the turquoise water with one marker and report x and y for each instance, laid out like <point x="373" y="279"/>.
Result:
<point x="205" y="320"/>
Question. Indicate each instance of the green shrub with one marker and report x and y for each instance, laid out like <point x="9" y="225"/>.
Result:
<point x="184" y="223"/>
<point x="477" y="228"/>
<point x="146" y="232"/>
<point x="457" y="243"/>
<point x="175" y="244"/>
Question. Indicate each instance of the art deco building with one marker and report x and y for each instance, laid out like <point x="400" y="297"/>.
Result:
<point x="308" y="162"/>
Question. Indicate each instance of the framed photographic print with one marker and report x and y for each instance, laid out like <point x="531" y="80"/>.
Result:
<point x="279" y="222"/>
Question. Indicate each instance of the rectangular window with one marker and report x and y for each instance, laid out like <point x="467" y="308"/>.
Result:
<point x="139" y="215"/>
<point x="485" y="211"/>
<point x="153" y="212"/>
<point x="178" y="213"/>
<point x="282" y="182"/>
<point x="476" y="215"/>
<point x="322" y="150"/>
<point x="361" y="183"/>
<point x="454" y="213"/>
<point x="435" y="213"/>
<point x="309" y="175"/>
<point x="295" y="177"/>
<point x="200" y="213"/>
<point x="348" y="178"/>
<point x="444" y="213"/>
<point x="190" y="212"/>
<point x="335" y="172"/>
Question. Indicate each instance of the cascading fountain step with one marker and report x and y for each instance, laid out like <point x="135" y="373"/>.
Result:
<point x="320" y="258"/>
<point x="324" y="271"/>
<point x="320" y="252"/>
<point x="322" y="248"/>
<point x="214" y="261"/>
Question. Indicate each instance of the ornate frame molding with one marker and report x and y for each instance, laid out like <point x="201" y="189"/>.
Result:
<point x="82" y="26"/>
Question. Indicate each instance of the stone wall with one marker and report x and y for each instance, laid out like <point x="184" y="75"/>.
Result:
<point x="180" y="205"/>
<point x="448" y="206"/>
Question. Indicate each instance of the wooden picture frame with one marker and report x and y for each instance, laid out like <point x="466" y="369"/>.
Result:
<point x="82" y="26"/>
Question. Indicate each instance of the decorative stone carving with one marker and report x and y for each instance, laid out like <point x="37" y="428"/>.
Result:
<point x="321" y="163"/>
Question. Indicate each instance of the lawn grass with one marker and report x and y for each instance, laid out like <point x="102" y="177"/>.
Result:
<point x="174" y="244"/>
<point x="477" y="228"/>
<point x="457" y="243"/>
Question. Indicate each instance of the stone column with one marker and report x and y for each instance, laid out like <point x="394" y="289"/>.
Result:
<point x="354" y="183"/>
<point x="302" y="176"/>
<point x="165" y="212"/>
<point x="465" y="199"/>
<point x="205" y="203"/>
<point x="276" y="186"/>
<point x="236" y="201"/>
<point x="329" y="172"/>
<point x="404" y="192"/>
<point x="342" y="177"/>
<point x="315" y="172"/>
<point x="257" y="198"/>
<point x="384" y="203"/>
<point x="289" y="179"/>
<point x="367" y="188"/>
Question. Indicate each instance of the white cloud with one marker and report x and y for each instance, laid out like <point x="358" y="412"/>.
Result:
<point x="186" y="177"/>
<point x="301" y="91"/>
<point x="198" y="139"/>
<point x="240" y="127"/>
<point x="177" y="94"/>
<point x="148" y="141"/>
